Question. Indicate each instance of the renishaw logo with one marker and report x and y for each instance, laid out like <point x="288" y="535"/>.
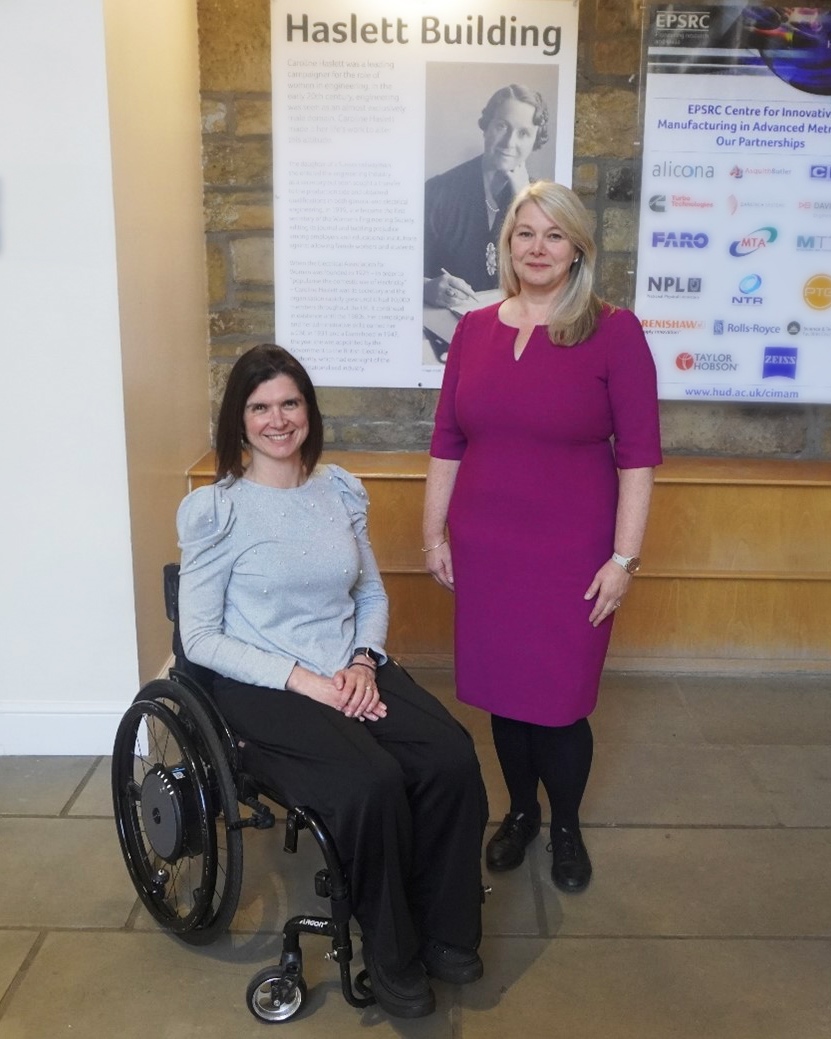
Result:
<point x="671" y="325"/>
<point x="679" y="240"/>
<point x="817" y="292"/>
<point x="761" y="238"/>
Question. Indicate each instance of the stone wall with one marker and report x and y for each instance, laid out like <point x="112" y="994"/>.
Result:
<point x="236" y="83"/>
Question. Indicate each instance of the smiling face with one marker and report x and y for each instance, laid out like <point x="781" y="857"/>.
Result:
<point x="510" y="135"/>
<point x="276" y="422"/>
<point x="541" y="254"/>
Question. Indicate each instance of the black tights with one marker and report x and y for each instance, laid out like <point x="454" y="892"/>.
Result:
<point x="560" y="757"/>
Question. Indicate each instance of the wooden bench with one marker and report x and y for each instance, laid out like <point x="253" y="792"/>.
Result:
<point x="736" y="574"/>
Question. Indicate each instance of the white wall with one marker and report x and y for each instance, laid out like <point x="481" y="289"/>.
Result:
<point x="69" y="652"/>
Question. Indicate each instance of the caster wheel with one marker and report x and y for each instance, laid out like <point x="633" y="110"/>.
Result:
<point x="274" y="996"/>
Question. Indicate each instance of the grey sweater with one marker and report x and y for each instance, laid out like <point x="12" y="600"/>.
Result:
<point x="273" y="577"/>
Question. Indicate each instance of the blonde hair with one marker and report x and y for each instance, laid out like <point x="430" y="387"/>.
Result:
<point x="574" y="317"/>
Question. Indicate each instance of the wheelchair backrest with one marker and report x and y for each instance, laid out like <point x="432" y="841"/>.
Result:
<point x="203" y="675"/>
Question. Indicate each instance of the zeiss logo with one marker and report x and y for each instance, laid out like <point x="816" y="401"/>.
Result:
<point x="761" y="238"/>
<point x="679" y="240"/>
<point x="820" y="172"/>
<point x="749" y="287"/>
<point x="780" y="361"/>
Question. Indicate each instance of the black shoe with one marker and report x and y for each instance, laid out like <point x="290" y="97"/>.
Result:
<point x="451" y="963"/>
<point x="506" y="849"/>
<point x="571" y="868"/>
<point x="402" y="993"/>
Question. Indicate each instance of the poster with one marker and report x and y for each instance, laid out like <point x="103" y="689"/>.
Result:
<point x="373" y="112"/>
<point x="734" y="256"/>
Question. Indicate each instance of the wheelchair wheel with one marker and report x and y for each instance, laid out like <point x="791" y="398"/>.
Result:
<point x="176" y="813"/>
<point x="274" y="996"/>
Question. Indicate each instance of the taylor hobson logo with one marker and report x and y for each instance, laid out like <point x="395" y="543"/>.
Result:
<point x="688" y="362"/>
<point x="761" y="238"/>
<point x="780" y="361"/>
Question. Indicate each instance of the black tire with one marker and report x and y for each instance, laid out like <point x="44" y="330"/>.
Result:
<point x="175" y="803"/>
<point x="274" y="996"/>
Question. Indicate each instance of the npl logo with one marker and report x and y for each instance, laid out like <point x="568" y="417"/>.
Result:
<point x="761" y="238"/>
<point x="817" y="292"/>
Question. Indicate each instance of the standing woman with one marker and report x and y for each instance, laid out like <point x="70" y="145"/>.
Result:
<point x="537" y="496"/>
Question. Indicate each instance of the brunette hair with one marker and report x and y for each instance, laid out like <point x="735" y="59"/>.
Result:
<point x="260" y="364"/>
<point x="575" y="316"/>
<point x="529" y="97"/>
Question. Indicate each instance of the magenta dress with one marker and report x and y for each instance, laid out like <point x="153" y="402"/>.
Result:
<point x="532" y="515"/>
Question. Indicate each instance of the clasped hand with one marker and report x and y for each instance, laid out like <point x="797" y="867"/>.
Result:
<point x="351" y="690"/>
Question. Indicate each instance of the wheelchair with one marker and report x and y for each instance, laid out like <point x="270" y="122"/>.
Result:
<point x="179" y="777"/>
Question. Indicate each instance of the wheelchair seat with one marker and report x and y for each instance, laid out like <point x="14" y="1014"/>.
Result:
<point x="179" y="776"/>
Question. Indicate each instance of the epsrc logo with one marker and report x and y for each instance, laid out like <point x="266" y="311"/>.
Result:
<point x="695" y="20"/>
<point x="679" y="240"/>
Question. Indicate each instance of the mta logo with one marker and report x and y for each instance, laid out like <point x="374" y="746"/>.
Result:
<point x="761" y="238"/>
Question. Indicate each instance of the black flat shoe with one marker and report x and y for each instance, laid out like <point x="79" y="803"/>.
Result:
<point x="451" y="963"/>
<point x="571" y="868"/>
<point x="401" y="993"/>
<point x="506" y="849"/>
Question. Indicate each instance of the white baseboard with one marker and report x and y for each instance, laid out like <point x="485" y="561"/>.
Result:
<point x="57" y="727"/>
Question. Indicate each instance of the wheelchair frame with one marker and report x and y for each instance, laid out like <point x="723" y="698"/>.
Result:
<point x="178" y="780"/>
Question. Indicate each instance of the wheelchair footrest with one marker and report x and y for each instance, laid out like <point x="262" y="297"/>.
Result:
<point x="262" y="819"/>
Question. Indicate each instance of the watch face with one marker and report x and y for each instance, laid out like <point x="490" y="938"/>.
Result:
<point x="633" y="566"/>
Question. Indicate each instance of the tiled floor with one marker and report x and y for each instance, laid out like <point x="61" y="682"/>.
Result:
<point x="708" y="817"/>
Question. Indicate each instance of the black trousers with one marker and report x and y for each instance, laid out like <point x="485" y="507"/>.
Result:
<point x="402" y="796"/>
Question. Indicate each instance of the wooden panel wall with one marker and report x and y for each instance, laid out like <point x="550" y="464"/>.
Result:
<point x="736" y="574"/>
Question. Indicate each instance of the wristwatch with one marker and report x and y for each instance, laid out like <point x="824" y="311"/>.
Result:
<point x="365" y="651"/>
<point x="631" y="564"/>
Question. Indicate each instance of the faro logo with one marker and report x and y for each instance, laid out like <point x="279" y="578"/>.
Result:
<point x="761" y="238"/>
<point x="817" y="292"/>
<point x="679" y="240"/>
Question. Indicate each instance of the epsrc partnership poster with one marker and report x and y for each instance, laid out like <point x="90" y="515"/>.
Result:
<point x="734" y="255"/>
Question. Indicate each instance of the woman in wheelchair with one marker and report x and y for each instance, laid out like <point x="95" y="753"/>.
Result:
<point x="280" y="595"/>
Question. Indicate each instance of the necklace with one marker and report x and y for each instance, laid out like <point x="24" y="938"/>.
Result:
<point x="493" y="209"/>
